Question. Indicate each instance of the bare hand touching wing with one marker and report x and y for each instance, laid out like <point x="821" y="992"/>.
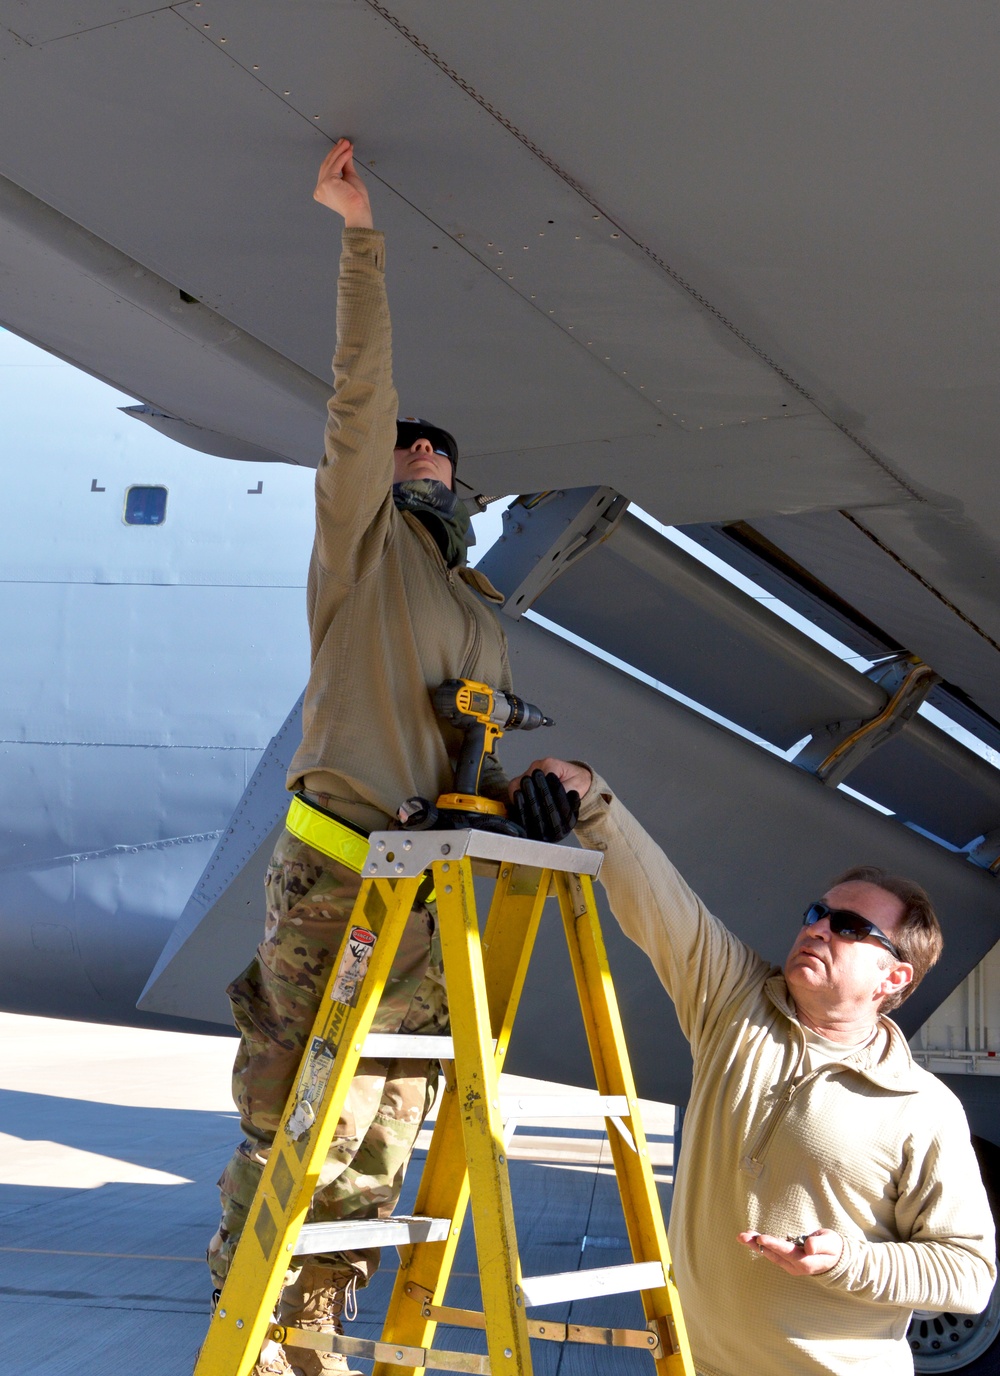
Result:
<point x="339" y="187"/>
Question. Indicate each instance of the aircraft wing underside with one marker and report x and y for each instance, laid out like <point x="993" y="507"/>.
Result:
<point x="736" y="266"/>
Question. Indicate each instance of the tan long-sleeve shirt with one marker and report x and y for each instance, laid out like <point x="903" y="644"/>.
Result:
<point x="388" y="620"/>
<point x="873" y="1147"/>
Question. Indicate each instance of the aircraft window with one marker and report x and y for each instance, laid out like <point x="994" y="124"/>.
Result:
<point x="145" y="506"/>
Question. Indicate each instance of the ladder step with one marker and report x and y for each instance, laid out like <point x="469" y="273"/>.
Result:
<point x="599" y="1280"/>
<point x="351" y="1234"/>
<point x="396" y="855"/>
<point x="387" y="1046"/>
<point x="393" y="1046"/>
<point x="583" y="1105"/>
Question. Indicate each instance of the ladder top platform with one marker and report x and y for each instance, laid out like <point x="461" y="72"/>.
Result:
<point x="405" y="854"/>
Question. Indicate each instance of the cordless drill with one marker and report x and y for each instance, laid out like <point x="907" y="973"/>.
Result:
<point x="482" y="714"/>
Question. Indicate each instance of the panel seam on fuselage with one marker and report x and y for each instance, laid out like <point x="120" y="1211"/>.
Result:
<point x="78" y="857"/>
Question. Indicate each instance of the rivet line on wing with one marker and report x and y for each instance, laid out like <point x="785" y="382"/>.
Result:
<point x="672" y="273"/>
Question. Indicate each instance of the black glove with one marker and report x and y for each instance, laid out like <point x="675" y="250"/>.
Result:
<point x="543" y="807"/>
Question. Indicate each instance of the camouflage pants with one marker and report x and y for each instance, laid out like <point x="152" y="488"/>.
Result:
<point x="309" y="900"/>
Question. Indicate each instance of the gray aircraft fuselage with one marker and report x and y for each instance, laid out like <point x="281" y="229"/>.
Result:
<point x="146" y="667"/>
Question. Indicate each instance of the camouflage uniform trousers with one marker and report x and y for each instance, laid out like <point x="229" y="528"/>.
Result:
<point x="310" y="898"/>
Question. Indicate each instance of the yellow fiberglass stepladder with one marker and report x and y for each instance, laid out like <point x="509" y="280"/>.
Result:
<point x="468" y="1153"/>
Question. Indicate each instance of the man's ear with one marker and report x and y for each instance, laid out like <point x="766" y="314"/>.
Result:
<point x="895" y="980"/>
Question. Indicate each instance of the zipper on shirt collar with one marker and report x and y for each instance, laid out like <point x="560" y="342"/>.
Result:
<point x="753" y="1162"/>
<point x="754" y="1159"/>
<point x="472" y="658"/>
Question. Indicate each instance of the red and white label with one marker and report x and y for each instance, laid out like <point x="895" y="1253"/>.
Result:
<point x="353" y="965"/>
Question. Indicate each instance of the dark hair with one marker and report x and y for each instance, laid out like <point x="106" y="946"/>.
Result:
<point x="918" y="934"/>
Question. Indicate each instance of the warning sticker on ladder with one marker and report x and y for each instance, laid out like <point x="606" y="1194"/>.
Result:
<point x="353" y="966"/>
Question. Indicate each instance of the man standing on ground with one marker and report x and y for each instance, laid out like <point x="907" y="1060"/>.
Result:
<point x="393" y="612"/>
<point x="827" y="1185"/>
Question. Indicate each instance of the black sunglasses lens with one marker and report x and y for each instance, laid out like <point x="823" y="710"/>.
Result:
<point x="845" y="924"/>
<point x="848" y="924"/>
<point x="408" y="432"/>
<point x="841" y="923"/>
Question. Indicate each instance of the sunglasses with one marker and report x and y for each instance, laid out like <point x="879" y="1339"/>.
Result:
<point x="850" y="925"/>
<point x="409" y="431"/>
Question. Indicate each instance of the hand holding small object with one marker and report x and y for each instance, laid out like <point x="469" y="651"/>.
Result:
<point x="809" y="1254"/>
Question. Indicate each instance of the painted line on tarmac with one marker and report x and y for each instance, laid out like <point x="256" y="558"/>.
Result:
<point x="116" y="1256"/>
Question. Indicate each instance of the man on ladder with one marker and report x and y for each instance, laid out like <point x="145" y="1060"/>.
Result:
<point x="393" y="612"/>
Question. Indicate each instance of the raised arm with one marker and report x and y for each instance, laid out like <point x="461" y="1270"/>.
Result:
<point x="354" y="512"/>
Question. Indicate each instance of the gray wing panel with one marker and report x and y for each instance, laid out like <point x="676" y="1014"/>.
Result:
<point x="757" y="838"/>
<point x="640" y="598"/>
<point x="837" y="549"/>
<point x="929" y="779"/>
<point x="649" y="603"/>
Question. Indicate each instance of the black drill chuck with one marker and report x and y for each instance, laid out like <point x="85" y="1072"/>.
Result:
<point x="524" y="716"/>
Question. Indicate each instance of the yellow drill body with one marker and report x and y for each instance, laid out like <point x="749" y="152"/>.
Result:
<point x="482" y="714"/>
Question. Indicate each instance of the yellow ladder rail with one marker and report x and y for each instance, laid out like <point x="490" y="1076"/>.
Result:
<point x="243" y="1314"/>
<point x="609" y="1054"/>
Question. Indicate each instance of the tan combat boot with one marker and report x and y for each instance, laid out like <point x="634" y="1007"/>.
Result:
<point x="317" y="1299"/>
<point x="273" y="1361"/>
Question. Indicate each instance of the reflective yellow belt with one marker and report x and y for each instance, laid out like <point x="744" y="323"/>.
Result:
<point x="326" y="834"/>
<point x="332" y="837"/>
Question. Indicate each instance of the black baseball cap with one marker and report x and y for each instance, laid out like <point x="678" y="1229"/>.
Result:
<point x="409" y="429"/>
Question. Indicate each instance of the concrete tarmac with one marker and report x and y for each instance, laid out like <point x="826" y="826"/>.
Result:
<point x="111" y="1140"/>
